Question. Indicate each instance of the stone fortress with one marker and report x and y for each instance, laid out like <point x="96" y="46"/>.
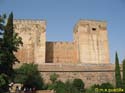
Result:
<point x="86" y="57"/>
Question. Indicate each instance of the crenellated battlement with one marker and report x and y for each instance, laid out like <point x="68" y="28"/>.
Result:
<point x="36" y="21"/>
<point x="91" y="24"/>
<point x="61" y="43"/>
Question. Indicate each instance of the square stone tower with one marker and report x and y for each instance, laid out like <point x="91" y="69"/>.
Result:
<point x="91" y="40"/>
<point x="33" y="33"/>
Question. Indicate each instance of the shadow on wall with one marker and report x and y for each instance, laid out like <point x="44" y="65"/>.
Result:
<point x="49" y="52"/>
<point x="61" y="52"/>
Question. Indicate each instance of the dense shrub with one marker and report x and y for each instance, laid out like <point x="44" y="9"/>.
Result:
<point x="75" y="86"/>
<point x="92" y="89"/>
<point x="29" y="76"/>
<point x="106" y="86"/>
<point x="53" y="77"/>
<point x="60" y="87"/>
<point x="78" y="84"/>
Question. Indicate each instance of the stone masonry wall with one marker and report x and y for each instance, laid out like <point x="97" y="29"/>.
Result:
<point x="61" y="52"/>
<point x="89" y="73"/>
<point x="33" y="33"/>
<point x="91" y="41"/>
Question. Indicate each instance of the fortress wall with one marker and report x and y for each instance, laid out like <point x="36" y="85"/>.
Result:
<point x="33" y="34"/>
<point x="89" y="73"/>
<point x="60" y="52"/>
<point x="89" y="51"/>
<point x="90" y="43"/>
<point x="89" y="78"/>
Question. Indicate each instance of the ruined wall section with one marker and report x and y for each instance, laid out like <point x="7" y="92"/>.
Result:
<point x="91" y="40"/>
<point x="61" y="52"/>
<point x="33" y="33"/>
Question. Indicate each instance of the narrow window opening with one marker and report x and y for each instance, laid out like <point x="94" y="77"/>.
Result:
<point x="93" y="29"/>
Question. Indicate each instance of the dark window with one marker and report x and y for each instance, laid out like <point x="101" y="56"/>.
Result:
<point x="93" y="29"/>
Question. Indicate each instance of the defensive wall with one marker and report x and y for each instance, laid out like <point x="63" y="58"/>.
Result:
<point x="90" y="44"/>
<point x="89" y="73"/>
<point x="86" y="57"/>
<point x="61" y="52"/>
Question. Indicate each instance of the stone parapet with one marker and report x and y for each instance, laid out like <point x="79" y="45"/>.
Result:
<point x="76" y="67"/>
<point x="29" y="21"/>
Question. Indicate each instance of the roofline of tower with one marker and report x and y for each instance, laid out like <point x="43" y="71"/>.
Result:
<point x="30" y="20"/>
<point x="89" y="21"/>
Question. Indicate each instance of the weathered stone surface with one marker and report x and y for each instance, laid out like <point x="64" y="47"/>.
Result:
<point x="89" y="73"/>
<point x="33" y="35"/>
<point x="61" y="52"/>
<point x="91" y="40"/>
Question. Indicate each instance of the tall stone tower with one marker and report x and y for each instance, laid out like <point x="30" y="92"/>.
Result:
<point x="91" y="40"/>
<point x="33" y="33"/>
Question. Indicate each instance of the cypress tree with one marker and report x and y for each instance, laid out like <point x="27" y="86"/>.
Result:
<point x="9" y="43"/>
<point x="123" y="73"/>
<point x="3" y="79"/>
<point x="117" y="72"/>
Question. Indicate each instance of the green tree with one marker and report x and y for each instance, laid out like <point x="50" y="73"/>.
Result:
<point x="60" y="87"/>
<point x="29" y="76"/>
<point x="123" y="66"/>
<point x="3" y="77"/>
<point x="117" y="72"/>
<point x="9" y="43"/>
<point x="79" y="85"/>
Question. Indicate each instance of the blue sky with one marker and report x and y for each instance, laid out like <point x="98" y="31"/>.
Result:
<point x="62" y="15"/>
